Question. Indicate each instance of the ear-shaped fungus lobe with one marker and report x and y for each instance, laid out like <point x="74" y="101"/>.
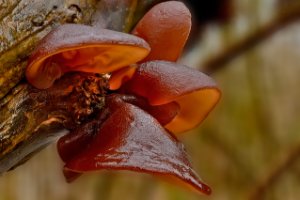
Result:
<point x="74" y="47"/>
<point x="166" y="28"/>
<point x="73" y="143"/>
<point x="163" y="82"/>
<point x="130" y="139"/>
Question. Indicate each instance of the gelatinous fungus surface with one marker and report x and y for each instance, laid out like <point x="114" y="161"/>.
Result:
<point x="149" y="97"/>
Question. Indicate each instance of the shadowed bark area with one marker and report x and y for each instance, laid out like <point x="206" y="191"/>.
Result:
<point x="31" y="118"/>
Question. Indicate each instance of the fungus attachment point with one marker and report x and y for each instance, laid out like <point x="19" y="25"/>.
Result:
<point x="130" y="139"/>
<point x="74" y="47"/>
<point x="121" y="76"/>
<point x="163" y="82"/>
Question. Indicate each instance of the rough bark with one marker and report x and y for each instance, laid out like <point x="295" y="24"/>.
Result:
<point x="31" y="118"/>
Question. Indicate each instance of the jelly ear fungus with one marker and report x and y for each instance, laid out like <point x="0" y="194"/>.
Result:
<point x="74" y="47"/>
<point x="149" y="97"/>
<point x="129" y="139"/>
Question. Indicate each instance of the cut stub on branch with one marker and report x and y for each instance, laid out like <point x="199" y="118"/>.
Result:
<point x="74" y="47"/>
<point x="131" y="139"/>
<point x="162" y="82"/>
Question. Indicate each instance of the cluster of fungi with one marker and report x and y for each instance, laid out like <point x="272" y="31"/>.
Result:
<point x="150" y="98"/>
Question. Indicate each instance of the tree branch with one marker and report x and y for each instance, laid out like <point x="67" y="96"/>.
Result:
<point x="284" y="18"/>
<point x="272" y="178"/>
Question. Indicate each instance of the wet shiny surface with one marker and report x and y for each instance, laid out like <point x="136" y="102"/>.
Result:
<point x="130" y="139"/>
<point x="128" y="133"/>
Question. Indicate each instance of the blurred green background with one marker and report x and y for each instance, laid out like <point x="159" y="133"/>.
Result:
<point x="248" y="148"/>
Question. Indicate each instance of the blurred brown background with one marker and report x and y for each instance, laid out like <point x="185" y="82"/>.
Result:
<point x="248" y="148"/>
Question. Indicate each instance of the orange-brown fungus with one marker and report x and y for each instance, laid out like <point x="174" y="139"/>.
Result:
<point x="149" y="99"/>
<point x="74" y="47"/>
<point x="120" y="76"/>
<point x="131" y="139"/>
<point x="166" y="28"/>
<point x="72" y="144"/>
<point x="162" y="82"/>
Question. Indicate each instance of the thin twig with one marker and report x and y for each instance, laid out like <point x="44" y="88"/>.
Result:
<point x="271" y="179"/>
<point x="285" y="17"/>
